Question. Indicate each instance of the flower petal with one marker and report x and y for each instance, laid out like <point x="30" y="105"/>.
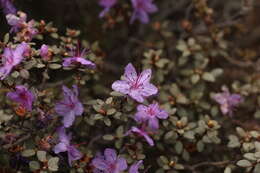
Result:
<point x="68" y="119"/>
<point x="60" y="147"/>
<point x="130" y="73"/>
<point x="110" y="155"/>
<point x="73" y="154"/>
<point x="145" y="76"/>
<point x="153" y="123"/>
<point x="149" y="89"/>
<point x="121" y="86"/>
<point x="121" y="164"/>
<point x="162" y="114"/>
<point x="100" y="164"/>
<point x="148" y="139"/>
<point x="134" y="168"/>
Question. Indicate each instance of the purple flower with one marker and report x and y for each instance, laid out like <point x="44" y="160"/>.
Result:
<point x="150" y="113"/>
<point x="107" y="4"/>
<point x="141" y="10"/>
<point x="134" y="168"/>
<point x="8" y="7"/>
<point x="12" y="57"/>
<point x="77" y="58"/>
<point x="23" y="96"/>
<point x="44" y="52"/>
<point x="64" y="145"/>
<point x="136" y="86"/>
<point x="17" y="22"/>
<point x="142" y="133"/>
<point x="227" y="101"/>
<point x="70" y="106"/>
<point x="109" y="163"/>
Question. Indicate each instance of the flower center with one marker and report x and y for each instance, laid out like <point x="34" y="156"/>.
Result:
<point x="112" y="167"/>
<point x="151" y="112"/>
<point x="23" y="96"/>
<point x="136" y="84"/>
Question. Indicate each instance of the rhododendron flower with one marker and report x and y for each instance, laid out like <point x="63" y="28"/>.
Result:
<point x="65" y="146"/>
<point x="109" y="163"/>
<point x="141" y="10"/>
<point x="17" y="22"/>
<point x="7" y="7"/>
<point x="44" y="52"/>
<point x="134" y="168"/>
<point x="11" y="58"/>
<point x="23" y="96"/>
<point x="107" y="4"/>
<point x="70" y="106"/>
<point x="150" y="113"/>
<point x="227" y="101"/>
<point x="77" y="58"/>
<point x="136" y="86"/>
<point x="142" y="133"/>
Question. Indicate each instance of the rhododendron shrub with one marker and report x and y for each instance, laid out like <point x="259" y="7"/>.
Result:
<point x="134" y="86"/>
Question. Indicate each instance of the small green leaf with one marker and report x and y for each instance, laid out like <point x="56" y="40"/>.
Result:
<point x="53" y="164"/>
<point x="250" y="156"/>
<point x="108" y="137"/>
<point x="208" y="77"/>
<point x="189" y="135"/>
<point x="28" y="153"/>
<point x="200" y="146"/>
<point x="111" y="111"/>
<point x="178" y="166"/>
<point x="15" y="74"/>
<point x="244" y="163"/>
<point x="241" y="131"/>
<point x="257" y="168"/>
<point x="34" y="165"/>
<point x="41" y="156"/>
<point x="178" y="147"/>
<point x="55" y="66"/>
<point x="227" y="170"/>
<point x="6" y="38"/>
<point x="107" y="121"/>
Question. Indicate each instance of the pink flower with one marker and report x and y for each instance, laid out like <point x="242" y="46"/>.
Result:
<point x="23" y="96"/>
<point x="77" y="58"/>
<point x="142" y="133"/>
<point x="227" y="101"/>
<point x="44" y="52"/>
<point x="141" y="10"/>
<point x="109" y="163"/>
<point x="150" y="113"/>
<point x="135" y="85"/>
<point x="107" y="4"/>
<point x="70" y="106"/>
<point x="11" y="58"/>
<point x="17" y="22"/>
<point x="65" y="146"/>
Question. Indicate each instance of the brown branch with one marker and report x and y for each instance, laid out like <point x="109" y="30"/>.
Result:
<point x="193" y="168"/>
<point x="7" y="146"/>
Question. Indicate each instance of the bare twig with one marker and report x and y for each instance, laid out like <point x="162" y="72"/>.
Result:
<point x="7" y="146"/>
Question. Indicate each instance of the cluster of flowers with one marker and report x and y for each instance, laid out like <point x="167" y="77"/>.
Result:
<point x="141" y="9"/>
<point x="137" y="86"/>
